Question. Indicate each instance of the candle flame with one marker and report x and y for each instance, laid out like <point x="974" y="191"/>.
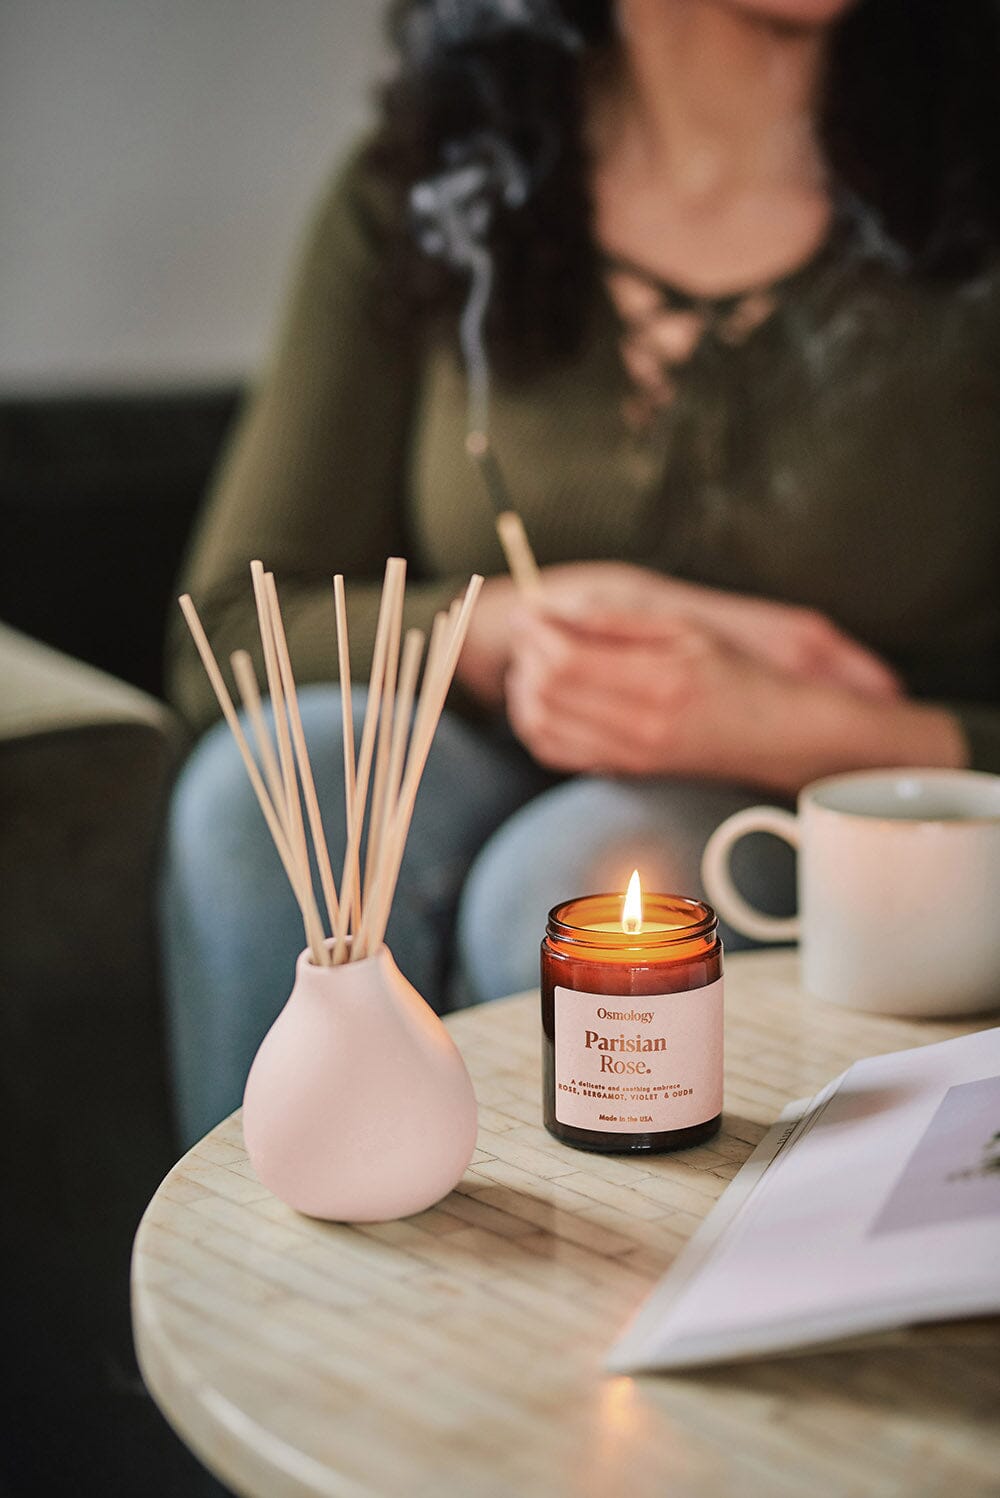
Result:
<point x="632" y="906"/>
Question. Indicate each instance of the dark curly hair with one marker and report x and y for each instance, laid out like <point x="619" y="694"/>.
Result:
<point x="909" y="123"/>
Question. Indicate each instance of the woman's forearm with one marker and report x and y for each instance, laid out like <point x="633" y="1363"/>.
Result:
<point x="837" y="731"/>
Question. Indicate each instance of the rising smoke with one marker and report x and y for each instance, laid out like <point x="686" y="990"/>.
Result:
<point x="480" y="174"/>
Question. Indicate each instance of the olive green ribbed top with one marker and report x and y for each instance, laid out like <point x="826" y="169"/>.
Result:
<point x="845" y="455"/>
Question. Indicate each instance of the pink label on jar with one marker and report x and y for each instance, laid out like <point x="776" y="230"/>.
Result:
<point x="638" y="1065"/>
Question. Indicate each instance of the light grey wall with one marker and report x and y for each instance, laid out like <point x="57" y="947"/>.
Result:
<point x="158" y="159"/>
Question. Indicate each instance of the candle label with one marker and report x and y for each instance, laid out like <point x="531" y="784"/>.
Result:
<point x="640" y="1065"/>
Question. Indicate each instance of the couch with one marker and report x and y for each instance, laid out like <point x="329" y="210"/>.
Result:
<point x="96" y="500"/>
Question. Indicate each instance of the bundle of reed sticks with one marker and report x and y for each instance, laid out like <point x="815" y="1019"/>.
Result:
<point x="381" y="774"/>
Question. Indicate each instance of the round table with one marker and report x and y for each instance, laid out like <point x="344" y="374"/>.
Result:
<point x="459" y="1352"/>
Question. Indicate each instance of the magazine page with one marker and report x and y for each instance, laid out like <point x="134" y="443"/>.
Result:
<point x="879" y="1207"/>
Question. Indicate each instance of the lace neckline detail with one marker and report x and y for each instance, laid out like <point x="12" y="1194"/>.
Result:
<point x="664" y="325"/>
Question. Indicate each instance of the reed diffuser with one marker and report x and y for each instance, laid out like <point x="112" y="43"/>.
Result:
<point x="358" y="1106"/>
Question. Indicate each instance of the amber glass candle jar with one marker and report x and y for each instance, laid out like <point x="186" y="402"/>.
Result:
<point x="632" y="1024"/>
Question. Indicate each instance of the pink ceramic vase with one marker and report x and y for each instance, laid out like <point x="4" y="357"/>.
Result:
<point x="358" y="1106"/>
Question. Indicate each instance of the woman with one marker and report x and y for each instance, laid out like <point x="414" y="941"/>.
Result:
<point x="744" y="333"/>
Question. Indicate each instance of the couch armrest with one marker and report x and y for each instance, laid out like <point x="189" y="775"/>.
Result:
<point x="46" y="692"/>
<point x="86" y="765"/>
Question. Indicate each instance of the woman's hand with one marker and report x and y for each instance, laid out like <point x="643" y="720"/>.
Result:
<point x="634" y="603"/>
<point x="682" y="701"/>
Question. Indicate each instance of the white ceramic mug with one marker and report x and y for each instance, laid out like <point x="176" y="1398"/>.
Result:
<point x="899" y="888"/>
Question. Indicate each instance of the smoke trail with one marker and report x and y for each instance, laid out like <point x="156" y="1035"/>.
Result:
<point x="452" y="215"/>
<point x="453" y="211"/>
<point x="457" y="23"/>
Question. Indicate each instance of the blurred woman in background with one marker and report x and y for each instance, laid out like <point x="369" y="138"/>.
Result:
<point x="745" y="361"/>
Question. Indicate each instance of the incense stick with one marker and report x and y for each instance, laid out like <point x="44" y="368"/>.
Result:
<point x="517" y="549"/>
<point x="509" y="526"/>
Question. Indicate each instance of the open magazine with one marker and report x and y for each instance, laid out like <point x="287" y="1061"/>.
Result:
<point x="874" y="1206"/>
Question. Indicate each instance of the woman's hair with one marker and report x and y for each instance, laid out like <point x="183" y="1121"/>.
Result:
<point x="908" y="121"/>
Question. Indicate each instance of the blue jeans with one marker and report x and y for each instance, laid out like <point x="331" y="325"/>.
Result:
<point x="495" y="842"/>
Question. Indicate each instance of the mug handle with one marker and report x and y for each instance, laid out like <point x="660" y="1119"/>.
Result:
<point x="718" y="882"/>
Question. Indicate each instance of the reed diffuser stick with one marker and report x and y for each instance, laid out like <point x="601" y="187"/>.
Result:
<point x="401" y="733"/>
<point x="384" y="744"/>
<point x="437" y="689"/>
<point x="413" y="650"/>
<point x="435" y="657"/>
<point x="303" y="892"/>
<point x="394" y="580"/>
<point x="286" y="758"/>
<point x="246" y="679"/>
<point x="302" y="755"/>
<point x="347" y="723"/>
